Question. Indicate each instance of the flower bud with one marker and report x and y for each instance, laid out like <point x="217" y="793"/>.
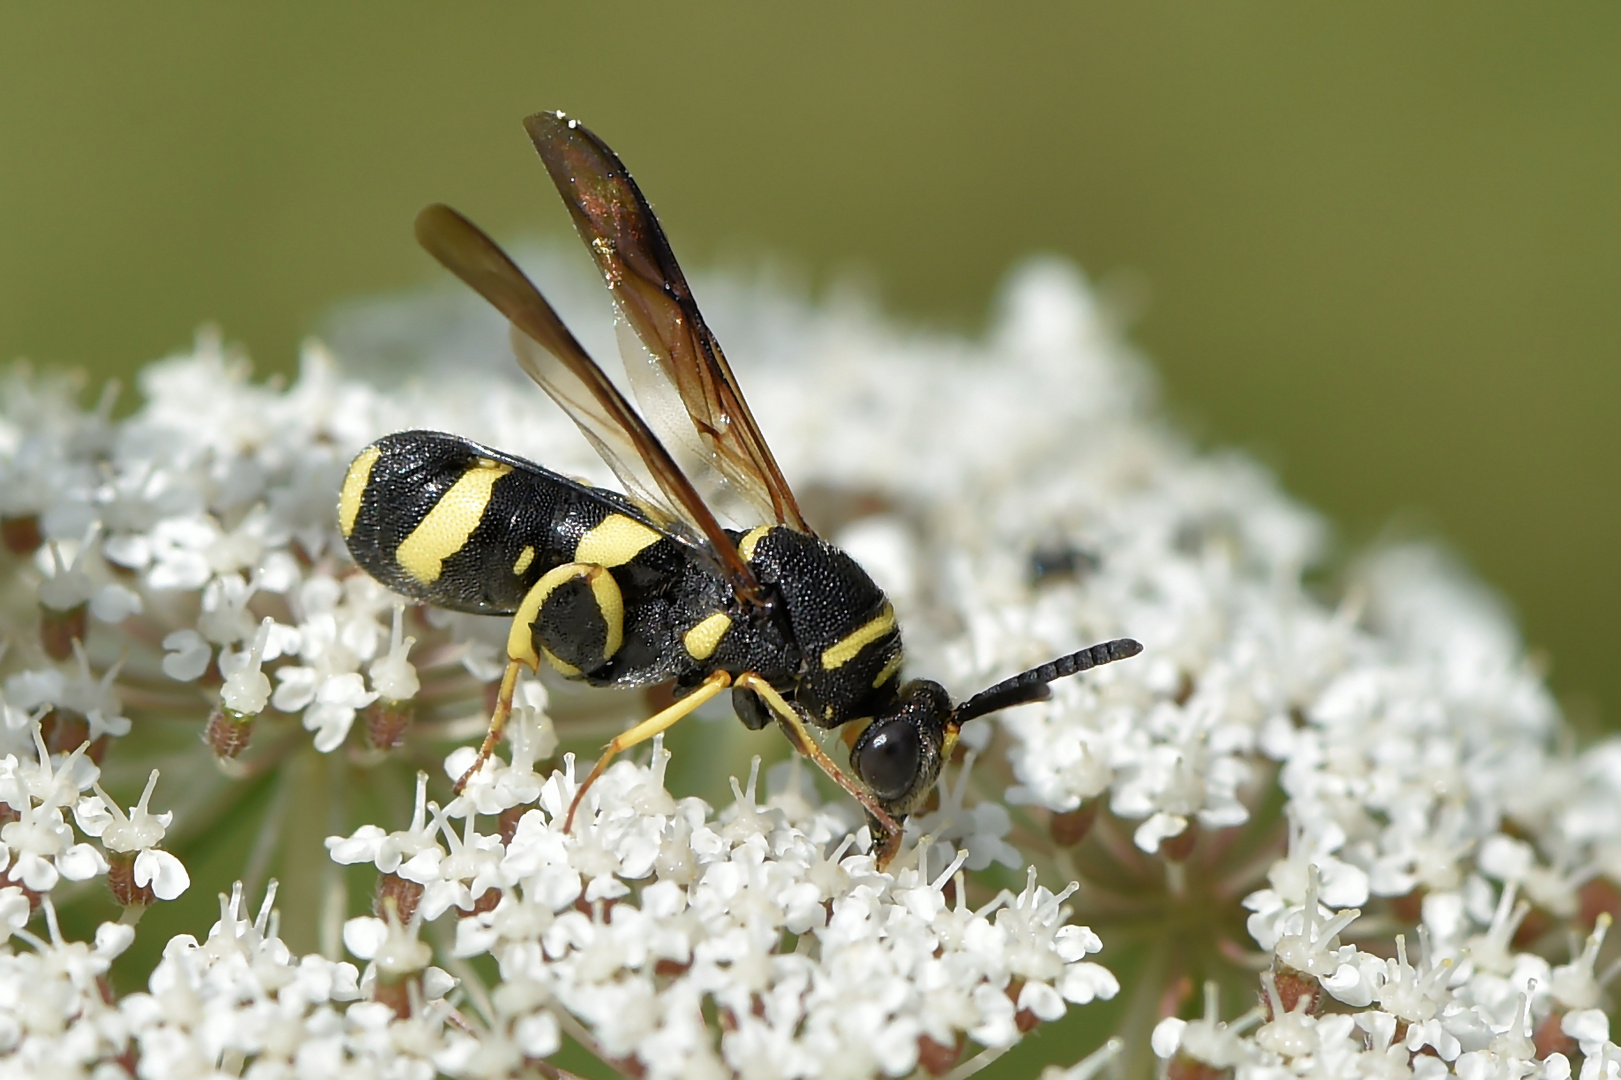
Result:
<point x="388" y="721"/>
<point x="121" y="881"/>
<point x="399" y="893"/>
<point x="58" y="630"/>
<point x="937" y="1059"/>
<point x="1177" y="848"/>
<point x="21" y="535"/>
<point x="1070" y="828"/>
<point x="228" y="733"/>
<point x="1292" y="988"/>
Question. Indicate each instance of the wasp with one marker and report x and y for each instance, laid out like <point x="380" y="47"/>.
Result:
<point x="647" y="587"/>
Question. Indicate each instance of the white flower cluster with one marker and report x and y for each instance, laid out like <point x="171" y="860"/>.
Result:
<point x="38" y="848"/>
<point x="1448" y="868"/>
<point x="654" y="908"/>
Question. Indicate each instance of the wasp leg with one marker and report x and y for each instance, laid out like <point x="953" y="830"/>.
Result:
<point x="802" y="741"/>
<point x="498" y="721"/>
<point x="659" y="721"/>
<point x="573" y="617"/>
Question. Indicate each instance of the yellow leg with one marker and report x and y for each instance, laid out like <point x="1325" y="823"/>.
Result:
<point x="498" y="721"/>
<point x="802" y="741"/>
<point x="659" y="721"/>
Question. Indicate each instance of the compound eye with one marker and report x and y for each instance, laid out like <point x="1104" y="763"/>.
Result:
<point x="887" y="758"/>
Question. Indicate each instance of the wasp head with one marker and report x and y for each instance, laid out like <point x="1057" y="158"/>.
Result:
<point x="899" y="755"/>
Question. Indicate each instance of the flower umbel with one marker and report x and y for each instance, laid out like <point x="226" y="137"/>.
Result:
<point x="1359" y="825"/>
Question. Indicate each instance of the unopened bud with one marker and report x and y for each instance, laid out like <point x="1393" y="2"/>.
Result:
<point x="121" y="880"/>
<point x="1177" y="848"/>
<point x="506" y="824"/>
<point x="395" y="992"/>
<point x="402" y="893"/>
<point x="21" y="535"/>
<point x="1070" y="828"/>
<point x="388" y="721"/>
<point x="228" y="732"/>
<point x="1294" y="987"/>
<point x="1025" y="1020"/>
<point x="64" y="730"/>
<point x="1185" y="1066"/>
<point x="58" y="630"/>
<point x="937" y="1059"/>
<point x="1550" y="1037"/>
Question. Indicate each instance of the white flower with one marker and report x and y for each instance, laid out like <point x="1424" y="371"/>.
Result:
<point x="981" y="830"/>
<point x="503" y="784"/>
<point x="883" y="969"/>
<point x="37" y="848"/>
<point x="1575" y="985"/>
<point x="247" y="689"/>
<point x="1208" y="1040"/>
<point x="392" y="675"/>
<point x="139" y="833"/>
<point x="187" y="656"/>
<point x="387" y="851"/>
<point x="388" y="944"/>
<point x="339" y="631"/>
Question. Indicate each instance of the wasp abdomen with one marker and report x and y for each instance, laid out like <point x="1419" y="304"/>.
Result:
<point x="445" y="520"/>
<point x="600" y="593"/>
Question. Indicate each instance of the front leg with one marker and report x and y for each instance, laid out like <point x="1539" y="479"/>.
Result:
<point x="889" y="830"/>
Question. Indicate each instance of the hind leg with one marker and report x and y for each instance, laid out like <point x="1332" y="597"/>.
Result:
<point x="574" y="619"/>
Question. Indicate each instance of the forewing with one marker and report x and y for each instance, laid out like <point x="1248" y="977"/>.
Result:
<point x="612" y="444"/>
<point x="551" y="355"/>
<point x="652" y="297"/>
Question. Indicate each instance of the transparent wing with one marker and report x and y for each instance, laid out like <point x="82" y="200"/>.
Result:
<point x="612" y="444"/>
<point x="549" y="353"/>
<point x="652" y="297"/>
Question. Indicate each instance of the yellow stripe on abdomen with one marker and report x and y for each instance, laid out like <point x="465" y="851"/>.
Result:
<point x="452" y="520"/>
<point x="614" y="541"/>
<point x="354" y="488"/>
<point x="525" y="558"/>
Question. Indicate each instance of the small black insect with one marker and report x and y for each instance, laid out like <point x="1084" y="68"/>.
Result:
<point x="646" y="587"/>
<point x="1053" y="562"/>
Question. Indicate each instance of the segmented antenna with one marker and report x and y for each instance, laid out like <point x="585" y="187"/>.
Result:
<point x="1028" y="686"/>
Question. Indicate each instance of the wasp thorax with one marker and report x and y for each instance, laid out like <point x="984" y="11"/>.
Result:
<point x="899" y="755"/>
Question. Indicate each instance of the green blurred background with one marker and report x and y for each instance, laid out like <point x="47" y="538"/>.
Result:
<point x="1375" y="243"/>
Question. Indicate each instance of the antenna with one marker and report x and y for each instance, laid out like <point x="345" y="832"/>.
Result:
<point x="1028" y="686"/>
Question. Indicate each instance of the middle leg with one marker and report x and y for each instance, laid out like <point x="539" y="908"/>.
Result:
<point x="653" y="725"/>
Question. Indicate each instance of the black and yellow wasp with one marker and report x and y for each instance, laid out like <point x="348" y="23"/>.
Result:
<point x="628" y="590"/>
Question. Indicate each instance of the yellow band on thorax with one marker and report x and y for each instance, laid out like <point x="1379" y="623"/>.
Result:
<point x="844" y="651"/>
